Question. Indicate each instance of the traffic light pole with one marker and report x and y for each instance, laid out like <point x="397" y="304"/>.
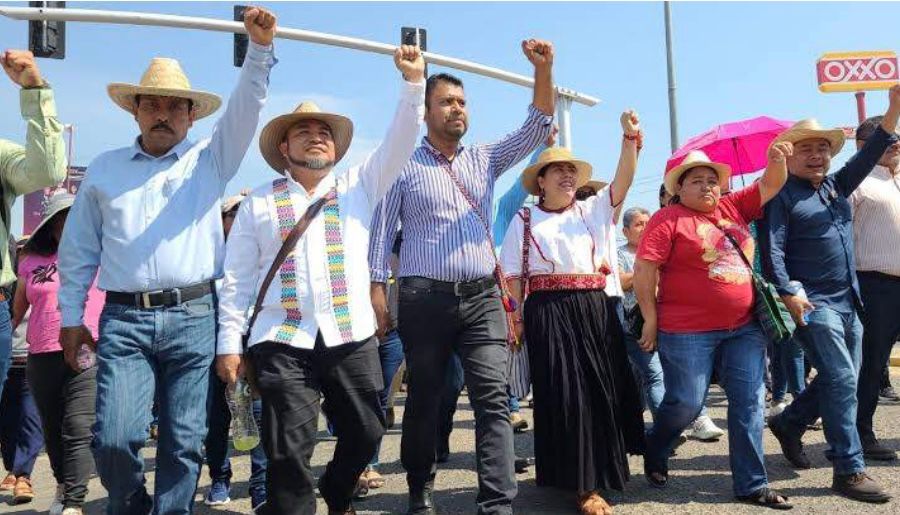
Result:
<point x="215" y="25"/>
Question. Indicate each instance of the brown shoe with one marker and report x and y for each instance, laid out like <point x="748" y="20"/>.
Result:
<point x="22" y="492"/>
<point x="859" y="487"/>
<point x="8" y="483"/>
<point x="519" y="424"/>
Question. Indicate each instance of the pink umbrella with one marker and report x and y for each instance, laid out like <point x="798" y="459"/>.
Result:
<point x="742" y="145"/>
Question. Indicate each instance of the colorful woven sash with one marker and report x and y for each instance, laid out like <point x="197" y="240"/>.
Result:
<point x="334" y="246"/>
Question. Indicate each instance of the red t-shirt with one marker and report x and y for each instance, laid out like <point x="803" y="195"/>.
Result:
<point x="704" y="285"/>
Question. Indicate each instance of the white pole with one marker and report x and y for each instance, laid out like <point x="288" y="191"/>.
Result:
<point x="564" y="115"/>
<point x="191" y="22"/>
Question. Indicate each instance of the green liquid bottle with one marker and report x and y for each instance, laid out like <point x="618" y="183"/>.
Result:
<point x="244" y="432"/>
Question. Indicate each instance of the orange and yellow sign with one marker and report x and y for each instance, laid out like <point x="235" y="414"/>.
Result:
<point x="857" y="71"/>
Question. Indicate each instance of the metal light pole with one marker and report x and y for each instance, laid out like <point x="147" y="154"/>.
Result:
<point x="673" y="111"/>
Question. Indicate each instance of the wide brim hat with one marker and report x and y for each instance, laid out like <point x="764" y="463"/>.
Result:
<point x="273" y="133"/>
<point x="811" y="129"/>
<point x="547" y="158"/>
<point x="597" y="185"/>
<point x="693" y="159"/>
<point x="57" y="203"/>
<point x="164" y="77"/>
<point x="232" y="202"/>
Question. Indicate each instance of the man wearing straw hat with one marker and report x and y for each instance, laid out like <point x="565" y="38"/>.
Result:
<point x="314" y="327"/>
<point x="449" y="296"/>
<point x="40" y="163"/>
<point x="808" y="254"/>
<point x="148" y="215"/>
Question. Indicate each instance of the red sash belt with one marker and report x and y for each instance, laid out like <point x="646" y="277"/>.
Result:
<point x="561" y="282"/>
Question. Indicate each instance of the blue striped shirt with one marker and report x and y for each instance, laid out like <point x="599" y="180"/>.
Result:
<point x="443" y="238"/>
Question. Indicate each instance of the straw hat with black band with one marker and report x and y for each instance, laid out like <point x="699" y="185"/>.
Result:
<point x="164" y="78"/>
<point x="810" y="129"/>
<point x="274" y="132"/>
<point x="547" y="158"/>
<point x="694" y="159"/>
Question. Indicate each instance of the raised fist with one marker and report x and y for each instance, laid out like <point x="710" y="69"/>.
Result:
<point x="894" y="95"/>
<point x="779" y="152"/>
<point x="539" y="52"/>
<point x="631" y="125"/>
<point x="260" y="25"/>
<point x="21" y="68"/>
<point x="411" y="63"/>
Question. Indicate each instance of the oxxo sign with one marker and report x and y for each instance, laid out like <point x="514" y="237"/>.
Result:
<point x="857" y="71"/>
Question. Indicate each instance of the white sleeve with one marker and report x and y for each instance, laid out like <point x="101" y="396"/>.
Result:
<point x="511" y="250"/>
<point x="238" y="290"/>
<point x="598" y="209"/>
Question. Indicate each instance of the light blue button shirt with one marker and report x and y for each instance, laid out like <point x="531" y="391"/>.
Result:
<point x="152" y="223"/>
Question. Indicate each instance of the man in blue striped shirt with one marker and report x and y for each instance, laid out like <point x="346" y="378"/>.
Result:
<point x="449" y="298"/>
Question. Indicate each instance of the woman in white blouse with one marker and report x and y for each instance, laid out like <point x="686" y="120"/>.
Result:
<point x="587" y="411"/>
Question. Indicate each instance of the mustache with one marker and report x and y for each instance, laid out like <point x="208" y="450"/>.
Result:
<point x="162" y="126"/>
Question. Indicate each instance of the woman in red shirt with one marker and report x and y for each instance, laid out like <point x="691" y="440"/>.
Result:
<point x="696" y="297"/>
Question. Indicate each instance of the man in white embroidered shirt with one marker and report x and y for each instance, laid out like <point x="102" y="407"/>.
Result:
<point x="314" y="330"/>
<point x="148" y="217"/>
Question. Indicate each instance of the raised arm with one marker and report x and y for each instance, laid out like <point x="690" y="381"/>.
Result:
<point x="851" y="175"/>
<point x="776" y="172"/>
<point x="42" y="161"/>
<point x="504" y="154"/>
<point x="628" y="157"/>
<point x="235" y="130"/>
<point x="383" y="166"/>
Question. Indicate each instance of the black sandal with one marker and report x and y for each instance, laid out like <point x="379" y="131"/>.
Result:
<point x="767" y="498"/>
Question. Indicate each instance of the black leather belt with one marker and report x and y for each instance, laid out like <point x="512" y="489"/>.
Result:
<point x="460" y="289"/>
<point x="160" y="298"/>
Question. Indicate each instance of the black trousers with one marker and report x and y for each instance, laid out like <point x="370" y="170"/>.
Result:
<point x="881" y="326"/>
<point x="433" y="324"/>
<point x="291" y="382"/>
<point x="66" y="401"/>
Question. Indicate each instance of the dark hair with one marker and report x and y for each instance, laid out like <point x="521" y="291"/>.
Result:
<point x="433" y="81"/>
<point x="868" y="127"/>
<point x="662" y="190"/>
<point x="42" y="243"/>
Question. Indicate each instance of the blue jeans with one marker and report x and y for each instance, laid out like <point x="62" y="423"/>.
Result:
<point x="390" y="352"/>
<point x="217" y="448"/>
<point x="21" y="437"/>
<point x="141" y="350"/>
<point x="788" y="371"/>
<point x="5" y="342"/>
<point x="833" y="342"/>
<point x="687" y="361"/>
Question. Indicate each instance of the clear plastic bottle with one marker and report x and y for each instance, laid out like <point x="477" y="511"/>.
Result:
<point x="86" y="357"/>
<point x="801" y="292"/>
<point x="244" y="432"/>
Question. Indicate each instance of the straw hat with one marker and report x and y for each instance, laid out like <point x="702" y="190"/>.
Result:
<point x="164" y="78"/>
<point x="232" y="202"/>
<point x="809" y="129"/>
<point x="548" y="157"/>
<point x="273" y="133"/>
<point x="58" y="202"/>
<point x="597" y="185"/>
<point x="693" y="159"/>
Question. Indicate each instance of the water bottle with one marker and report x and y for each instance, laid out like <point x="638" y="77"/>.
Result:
<point x="86" y="357"/>
<point x="802" y="294"/>
<point x="244" y="432"/>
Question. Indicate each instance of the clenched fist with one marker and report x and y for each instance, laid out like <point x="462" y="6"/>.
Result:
<point x="631" y="124"/>
<point x="411" y="63"/>
<point x="21" y="68"/>
<point x="260" y="25"/>
<point x="779" y="152"/>
<point x="538" y="52"/>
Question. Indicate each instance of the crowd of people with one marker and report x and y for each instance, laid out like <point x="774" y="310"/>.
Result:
<point x="147" y="291"/>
